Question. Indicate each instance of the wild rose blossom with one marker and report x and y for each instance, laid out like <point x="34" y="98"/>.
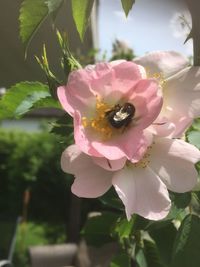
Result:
<point x="142" y="186"/>
<point x="111" y="104"/>
<point x="181" y="91"/>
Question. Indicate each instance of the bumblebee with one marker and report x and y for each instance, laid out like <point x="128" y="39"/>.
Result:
<point x="121" y="115"/>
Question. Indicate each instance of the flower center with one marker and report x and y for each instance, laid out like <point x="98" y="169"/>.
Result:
<point x="110" y="120"/>
<point x="99" y="123"/>
<point x="143" y="163"/>
<point x="159" y="76"/>
<point x="121" y="115"/>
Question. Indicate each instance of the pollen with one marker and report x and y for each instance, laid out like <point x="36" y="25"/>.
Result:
<point x="99" y="123"/>
<point x="159" y="76"/>
<point x="144" y="162"/>
<point x="84" y="122"/>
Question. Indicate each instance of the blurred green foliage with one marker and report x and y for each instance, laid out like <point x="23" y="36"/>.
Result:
<point x="33" y="161"/>
<point x="31" y="234"/>
<point x="121" y="50"/>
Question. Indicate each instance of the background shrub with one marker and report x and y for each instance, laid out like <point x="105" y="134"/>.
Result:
<point x="33" y="161"/>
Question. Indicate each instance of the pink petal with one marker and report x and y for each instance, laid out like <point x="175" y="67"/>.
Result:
<point x="142" y="148"/>
<point x="162" y="127"/>
<point x="116" y="80"/>
<point x="182" y="98"/>
<point x="91" y="180"/>
<point x="81" y="137"/>
<point x="128" y="71"/>
<point x="77" y="93"/>
<point x="117" y="62"/>
<point x="142" y="192"/>
<point x="109" y="150"/>
<point x="63" y="98"/>
<point x="101" y="79"/>
<point x="72" y="159"/>
<point x="113" y="80"/>
<point x="173" y="160"/>
<point x="165" y="62"/>
<point x="94" y="183"/>
<point x="147" y="102"/>
<point x="110" y="165"/>
<point x="130" y="144"/>
<point x="116" y="148"/>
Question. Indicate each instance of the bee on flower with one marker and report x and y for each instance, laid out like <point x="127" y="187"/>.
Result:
<point x="127" y="120"/>
<point x="111" y="104"/>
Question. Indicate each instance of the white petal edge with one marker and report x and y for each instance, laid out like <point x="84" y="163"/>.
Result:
<point x="142" y="192"/>
<point x="166" y="62"/>
<point x="173" y="160"/>
<point x="91" y="180"/>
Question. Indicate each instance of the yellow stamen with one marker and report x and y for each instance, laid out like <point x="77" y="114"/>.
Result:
<point x="99" y="122"/>
<point x="158" y="76"/>
<point x="84" y="122"/>
<point x="143" y="163"/>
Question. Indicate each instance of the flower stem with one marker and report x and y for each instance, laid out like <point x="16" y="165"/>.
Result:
<point x="194" y="6"/>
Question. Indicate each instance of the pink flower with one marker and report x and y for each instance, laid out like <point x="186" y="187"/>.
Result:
<point x="142" y="186"/>
<point x="111" y="103"/>
<point x="181" y="91"/>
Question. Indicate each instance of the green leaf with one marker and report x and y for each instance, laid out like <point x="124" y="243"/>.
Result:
<point x="81" y="13"/>
<point x="63" y="126"/>
<point x="152" y="255"/>
<point x="21" y="97"/>
<point x="180" y="200"/>
<point x="140" y="223"/>
<point x="68" y="62"/>
<point x="53" y="5"/>
<point x="164" y="238"/>
<point x="194" y="138"/>
<point x="29" y="101"/>
<point x="127" y="5"/>
<point x="111" y="199"/>
<point x="177" y="212"/>
<point x="36" y="100"/>
<point x="196" y="124"/>
<point x="140" y="258"/>
<point x="121" y="260"/>
<point x="193" y="133"/>
<point x="47" y="102"/>
<point x="124" y="228"/>
<point x="147" y="225"/>
<point x="97" y="230"/>
<point x="187" y="246"/>
<point x="32" y="14"/>
<point x="52" y="80"/>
